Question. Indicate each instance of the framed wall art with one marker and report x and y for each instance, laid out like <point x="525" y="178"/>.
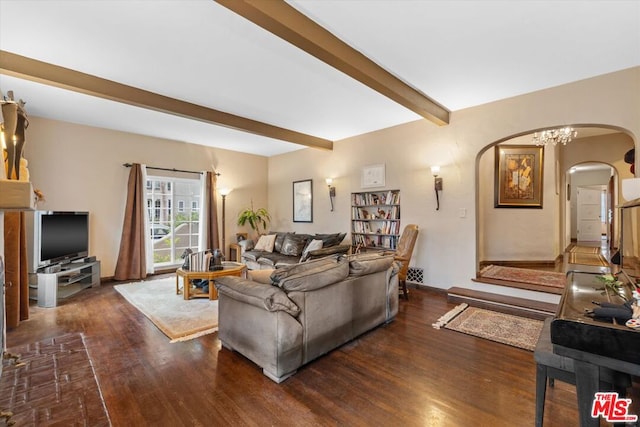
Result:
<point x="373" y="176"/>
<point x="303" y="201"/>
<point x="518" y="176"/>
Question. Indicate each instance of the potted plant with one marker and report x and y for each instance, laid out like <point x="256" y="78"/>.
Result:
<point x="256" y="218"/>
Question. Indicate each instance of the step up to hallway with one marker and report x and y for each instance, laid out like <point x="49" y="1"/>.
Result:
<point x="501" y="303"/>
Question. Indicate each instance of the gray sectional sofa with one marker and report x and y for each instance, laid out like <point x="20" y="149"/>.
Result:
<point x="290" y="248"/>
<point x="285" y="318"/>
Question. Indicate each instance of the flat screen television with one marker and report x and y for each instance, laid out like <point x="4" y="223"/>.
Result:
<point x="59" y="237"/>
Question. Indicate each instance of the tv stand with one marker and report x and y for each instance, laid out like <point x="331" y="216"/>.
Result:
<point x="71" y="279"/>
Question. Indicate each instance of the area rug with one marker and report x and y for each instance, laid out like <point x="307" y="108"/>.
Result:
<point x="524" y="275"/>
<point x="584" y="250"/>
<point x="587" y="259"/>
<point x="53" y="384"/>
<point x="177" y="318"/>
<point x="504" y="328"/>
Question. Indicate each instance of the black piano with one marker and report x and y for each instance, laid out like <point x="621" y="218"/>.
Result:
<point x="593" y="342"/>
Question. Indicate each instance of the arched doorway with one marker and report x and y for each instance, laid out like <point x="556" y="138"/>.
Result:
<point x="541" y="235"/>
<point x="592" y="195"/>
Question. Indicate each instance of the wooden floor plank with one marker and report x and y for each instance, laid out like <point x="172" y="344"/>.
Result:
<point x="403" y="373"/>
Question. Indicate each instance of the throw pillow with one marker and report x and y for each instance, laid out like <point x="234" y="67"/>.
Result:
<point x="265" y="243"/>
<point x="311" y="246"/>
<point x="294" y="244"/>
<point x="246" y="245"/>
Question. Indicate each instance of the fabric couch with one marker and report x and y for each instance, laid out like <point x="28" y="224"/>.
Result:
<point x="279" y="249"/>
<point x="295" y="314"/>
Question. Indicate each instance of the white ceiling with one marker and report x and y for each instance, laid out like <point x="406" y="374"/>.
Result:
<point x="459" y="53"/>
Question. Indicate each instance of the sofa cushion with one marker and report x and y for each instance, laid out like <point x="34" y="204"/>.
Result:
<point x="260" y="276"/>
<point x="266" y="243"/>
<point x="311" y="275"/>
<point x="294" y="244"/>
<point x="280" y="235"/>
<point x="270" y="259"/>
<point x="330" y="251"/>
<point x="257" y="294"/>
<point x="252" y="255"/>
<point x="368" y="263"/>
<point x="282" y="273"/>
<point x="329" y="240"/>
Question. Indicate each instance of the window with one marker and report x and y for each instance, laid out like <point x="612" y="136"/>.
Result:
<point x="173" y="230"/>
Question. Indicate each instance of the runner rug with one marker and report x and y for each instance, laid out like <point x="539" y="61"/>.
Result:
<point x="587" y="259"/>
<point x="52" y="383"/>
<point x="504" y="328"/>
<point x="177" y="318"/>
<point x="523" y="275"/>
<point x="584" y="250"/>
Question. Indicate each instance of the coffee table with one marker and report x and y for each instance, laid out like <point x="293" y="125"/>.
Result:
<point x="189" y="291"/>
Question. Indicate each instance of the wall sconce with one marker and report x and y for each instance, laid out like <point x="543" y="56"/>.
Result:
<point x="437" y="184"/>
<point x="332" y="191"/>
<point x="224" y="192"/>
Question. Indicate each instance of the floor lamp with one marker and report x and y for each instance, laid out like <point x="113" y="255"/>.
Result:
<point x="224" y="192"/>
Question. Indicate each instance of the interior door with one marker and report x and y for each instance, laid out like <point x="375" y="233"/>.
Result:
<point x="589" y="217"/>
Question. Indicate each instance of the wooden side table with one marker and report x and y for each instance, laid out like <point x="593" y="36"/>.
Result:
<point x="189" y="291"/>
<point x="235" y="252"/>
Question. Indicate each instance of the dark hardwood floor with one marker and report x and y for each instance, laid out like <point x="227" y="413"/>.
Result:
<point x="404" y="373"/>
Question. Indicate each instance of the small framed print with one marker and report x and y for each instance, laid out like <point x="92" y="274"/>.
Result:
<point x="373" y="176"/>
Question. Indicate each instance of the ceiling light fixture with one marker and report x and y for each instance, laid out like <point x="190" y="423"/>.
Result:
<point x="553" y="136"/>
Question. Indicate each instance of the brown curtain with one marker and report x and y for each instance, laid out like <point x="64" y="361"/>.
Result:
<point x="211" y="199"/>
<point x="16" y="274"/>
<point x="132" y="263"/>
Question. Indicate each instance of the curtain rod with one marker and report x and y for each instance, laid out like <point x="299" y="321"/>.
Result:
<point x="128" y="165"/>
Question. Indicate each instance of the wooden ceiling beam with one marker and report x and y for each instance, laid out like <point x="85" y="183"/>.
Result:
<point x="65" y="78"/>
<point x="286" y="22"/>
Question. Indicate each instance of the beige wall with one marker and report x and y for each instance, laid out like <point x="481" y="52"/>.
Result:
<point x="80" y="168"/>
<point x="446" y="248"/>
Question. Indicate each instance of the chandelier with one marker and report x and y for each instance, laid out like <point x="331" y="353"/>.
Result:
<point x="553" y="136"/>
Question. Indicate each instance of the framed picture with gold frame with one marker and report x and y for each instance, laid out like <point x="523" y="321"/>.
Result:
<point x="518" y="176"/>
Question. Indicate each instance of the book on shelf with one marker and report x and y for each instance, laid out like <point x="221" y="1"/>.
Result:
<point x="391" y="197"/>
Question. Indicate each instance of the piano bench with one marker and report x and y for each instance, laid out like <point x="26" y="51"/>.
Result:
<point x="550" y="366"/>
